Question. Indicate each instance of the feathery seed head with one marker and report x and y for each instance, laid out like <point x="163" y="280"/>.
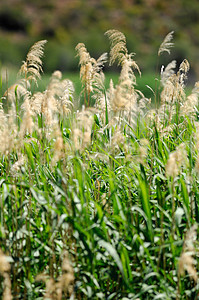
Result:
<point x="57" y="74"/>
<point x="4" y="271"/>
<point x="50" y="286"/>
<point x="82" y="129"/>
<point x="65" y="99"/>
<point x="168" y="72"/>
<point x="17" y="90"/>
<point x="128" y="64"/>
<point x="189" y="106"/>
<point x="18" y="164"/>
<point x="4" y="264"/>
<point x="184" y="66"/>
<point x="117" y="140"/>
<point x="186" y="261"/>
<point x="118" y="45"/>
<point x="173" y="91"/>
<point x="166" y="44"/>
<point x="176" y="160"/>
<point x="32" y="67"/>
<point x="27" y="124"/>
<point x="58" y="149"/>
<point x="82" y="53"/>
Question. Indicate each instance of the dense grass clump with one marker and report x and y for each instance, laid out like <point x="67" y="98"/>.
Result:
<point x="99" y="202"/>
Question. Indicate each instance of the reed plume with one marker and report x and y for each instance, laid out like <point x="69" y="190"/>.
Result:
<point x="89" y="67"/>
<point x="101" y="97"/>
<point x="189" y="107"/>
<point x="187" y="262"/>
<point x="8" y="132"/>
<point x="168" y="71"/>
<point x="58" y="149"/>
<point x="166" y="44"/>
<point x="119" y="53"/>
<point x="17" y="91"/>
<point x="30" y="69"/>
<point x="65" y="100"/>
<point x="56" y="99"/>
<point x="124" y="97"/>
<point x="82" y="127"/>
<point x="32" y="66"/>
<point x="118" y="46"/>
<point x="4" y="272"/>
<point x="173" y="93"/>
<point x="176" y="160"/>
<point x="27" y="125"/>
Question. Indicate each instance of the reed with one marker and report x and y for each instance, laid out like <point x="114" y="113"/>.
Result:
<point x="99" y="202"/>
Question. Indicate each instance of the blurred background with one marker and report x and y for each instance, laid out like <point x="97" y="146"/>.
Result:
<point x="64" y="23"/>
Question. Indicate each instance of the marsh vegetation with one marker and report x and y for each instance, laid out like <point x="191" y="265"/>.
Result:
<point x="99" y="189"/>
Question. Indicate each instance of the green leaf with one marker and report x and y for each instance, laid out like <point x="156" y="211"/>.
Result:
<point x="112" y="251"/>
<point x="146" y="203"/>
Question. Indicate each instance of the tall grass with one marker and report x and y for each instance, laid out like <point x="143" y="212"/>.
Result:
<point x="99" y="202"/>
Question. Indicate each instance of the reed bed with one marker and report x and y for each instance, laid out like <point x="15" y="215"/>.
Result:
<point x="99" y="202"/>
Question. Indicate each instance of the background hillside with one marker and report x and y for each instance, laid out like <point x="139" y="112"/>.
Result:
<point x="64" y="23"/>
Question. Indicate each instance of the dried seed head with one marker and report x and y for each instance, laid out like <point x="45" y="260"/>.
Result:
<point x="27" y="124"/>
<point x="65" y="99"/>
<point x="118" y="45"/>
<point x="4" y="271"/>
<point x="82" y="129"/>
<point x="184" y="66"/>
<point x="58" y="148"/>
<point x="82" y="53"/>
<point x="176" y="159"/>
<point x="50" y="286"/>
<point x="186" y="261"/>
<point x="57" y="74"/>
<point x="67" y="278"/>
<point x="190" y="105"/>
<point x="142" y="150"/>
<point x="117" y="140"/>
<point x="4" y="264"/>
<point x="7" y="295"/>
<point x="17" y="90"/>
<point x="168" y="72"/>
<point x="32" y="67"/>
<point x="18" y="164"/>
<point x="166" y="44"/>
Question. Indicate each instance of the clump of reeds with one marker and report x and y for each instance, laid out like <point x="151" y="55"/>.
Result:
<point x="56" y="100"/>
<point x="29" y="72"/>
<point x="173" y="94"/>
<point x="124" y="195"/>
<point x="12" y="130"/>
